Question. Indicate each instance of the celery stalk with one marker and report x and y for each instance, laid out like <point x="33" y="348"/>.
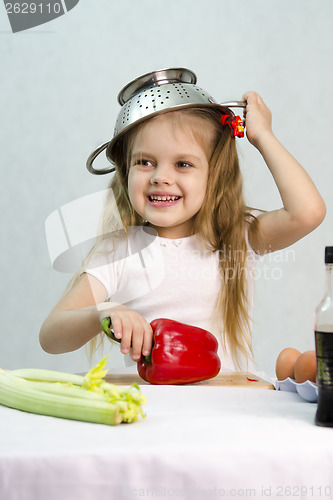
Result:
<point x="15" y="394"/>
<point x="48" y="375"/>
<point x="89" y="398"/>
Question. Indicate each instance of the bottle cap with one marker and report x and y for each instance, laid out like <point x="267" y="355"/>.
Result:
<point x="328" y="255"/>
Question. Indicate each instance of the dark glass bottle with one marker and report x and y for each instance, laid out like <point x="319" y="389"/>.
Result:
<point x="324" y="348"/>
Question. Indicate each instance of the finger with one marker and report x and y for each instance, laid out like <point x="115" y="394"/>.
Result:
<point x="252" y="97"/>
<point x="116" y="326"/>
<point x="260" y="100"/>
<point x="126" y="338"/>
<point x="147" y="340"/>
<point x="137" y="339"/>
<point x="247" y="95"/>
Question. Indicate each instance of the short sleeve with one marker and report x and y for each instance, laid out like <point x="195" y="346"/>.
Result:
<point x="102" y="265"/>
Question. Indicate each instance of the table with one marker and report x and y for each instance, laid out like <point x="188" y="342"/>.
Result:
<point x="196" y="442"/>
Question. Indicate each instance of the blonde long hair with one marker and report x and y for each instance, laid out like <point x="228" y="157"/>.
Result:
<point x="220" y="223"/>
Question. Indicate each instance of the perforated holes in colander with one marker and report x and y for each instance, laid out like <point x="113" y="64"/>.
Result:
<point x="126" y="112"/>
<point x="162" y="95"/>
<point x="180" y="89"/>
<point x="204" y="94"/>
<point x="146" y="101"/>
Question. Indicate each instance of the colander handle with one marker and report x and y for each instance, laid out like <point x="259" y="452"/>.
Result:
<point x="93" y="156"/>
<point x="234" y="104"/>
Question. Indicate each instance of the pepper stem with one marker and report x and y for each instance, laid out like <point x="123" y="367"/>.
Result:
<point x="105" y="325"/>
<point x="147" y="359"/>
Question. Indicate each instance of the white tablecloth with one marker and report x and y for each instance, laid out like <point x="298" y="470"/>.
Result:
<point x="195" y="443"/>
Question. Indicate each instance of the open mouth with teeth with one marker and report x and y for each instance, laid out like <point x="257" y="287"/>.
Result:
<point x="161" y="199"/>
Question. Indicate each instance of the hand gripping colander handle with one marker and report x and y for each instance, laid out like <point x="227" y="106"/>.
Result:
<point x="93" y="156"/>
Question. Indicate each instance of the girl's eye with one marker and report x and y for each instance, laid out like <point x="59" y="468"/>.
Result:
<point x="143" y="162"/>
<point x="183" y="164"/>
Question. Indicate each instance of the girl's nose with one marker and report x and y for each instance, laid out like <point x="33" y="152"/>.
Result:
<point x="162" y="174"/>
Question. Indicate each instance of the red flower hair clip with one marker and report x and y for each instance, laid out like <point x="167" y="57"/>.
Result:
<point x="235" y="123"/>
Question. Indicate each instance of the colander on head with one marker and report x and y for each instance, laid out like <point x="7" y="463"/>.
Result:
<point x="158" y="92"/>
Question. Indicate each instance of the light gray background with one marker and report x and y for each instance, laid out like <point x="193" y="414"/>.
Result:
<point x="59" y="84"/>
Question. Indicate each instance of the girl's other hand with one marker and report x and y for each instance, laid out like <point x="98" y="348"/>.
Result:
<point x="133" y="330"/>
<point x="258" y="118"/>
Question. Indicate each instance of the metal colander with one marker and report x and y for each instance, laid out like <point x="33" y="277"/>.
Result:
<point x="151" y="94"/>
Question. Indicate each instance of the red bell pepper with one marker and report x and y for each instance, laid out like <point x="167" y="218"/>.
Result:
<point x="181" y="354"/>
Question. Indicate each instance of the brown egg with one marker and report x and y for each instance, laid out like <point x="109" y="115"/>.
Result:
<point x="285" y="363"/>
<point x="306" y="367"/>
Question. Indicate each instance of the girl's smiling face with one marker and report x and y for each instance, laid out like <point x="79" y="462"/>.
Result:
<point x="168" y="173"/>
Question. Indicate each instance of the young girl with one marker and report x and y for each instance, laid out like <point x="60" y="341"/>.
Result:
<point x="189" y="242"/>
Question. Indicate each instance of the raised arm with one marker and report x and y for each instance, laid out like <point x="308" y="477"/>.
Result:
<point x="303" y="207"/>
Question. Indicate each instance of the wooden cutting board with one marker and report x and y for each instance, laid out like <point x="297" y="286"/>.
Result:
<point x="230" y="379"/>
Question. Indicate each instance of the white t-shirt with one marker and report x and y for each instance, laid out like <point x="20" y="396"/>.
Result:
<point x="165" y="278"/>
